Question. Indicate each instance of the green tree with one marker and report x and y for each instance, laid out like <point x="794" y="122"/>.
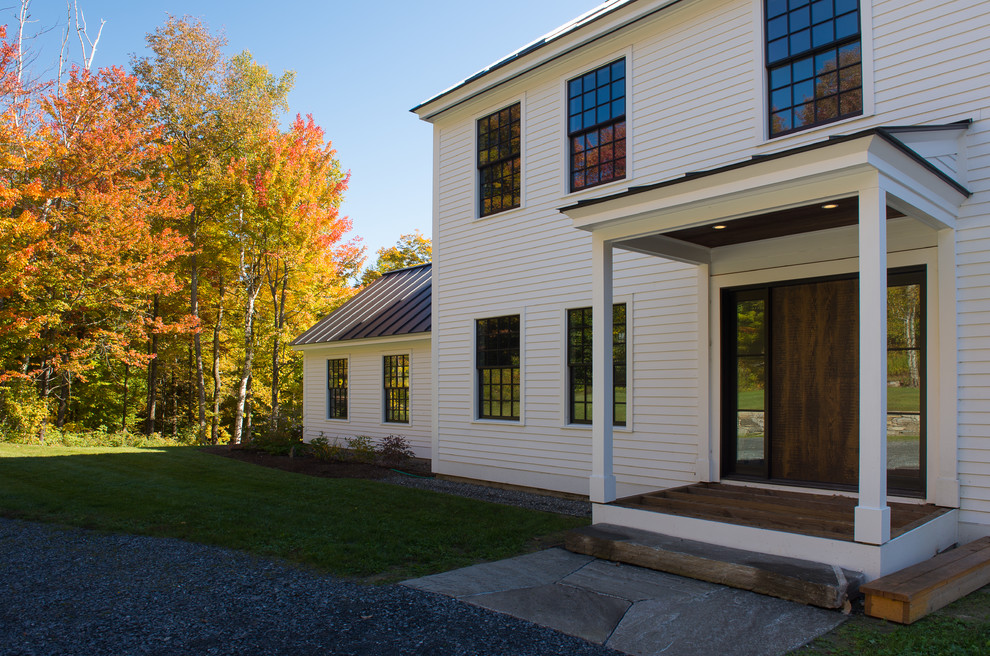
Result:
<point x="410" y="250"/>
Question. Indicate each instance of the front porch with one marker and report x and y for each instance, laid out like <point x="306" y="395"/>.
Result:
<point x="789" y="511"/>
<point x="805" y="245"/>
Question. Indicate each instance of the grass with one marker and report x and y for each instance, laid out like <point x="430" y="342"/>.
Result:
<point x="347" y="527"/>
<point x="960" y="629"/>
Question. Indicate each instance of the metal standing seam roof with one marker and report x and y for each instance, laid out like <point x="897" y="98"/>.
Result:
<point x="398" y="303"/>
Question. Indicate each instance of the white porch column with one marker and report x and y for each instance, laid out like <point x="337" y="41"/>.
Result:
<point x="944" y="435"/>
<point x="872" y="518"/>
<point x="602" y="484"/>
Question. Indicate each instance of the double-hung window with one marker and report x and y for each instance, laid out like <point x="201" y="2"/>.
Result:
<point x="596" y="126"/>
<point x="337" y="389"/>
<point x="498" y="363"/>
<point x="814" y="62"/>
<point x="579" y="369"/>
<point x="396" y="381"/>
<point x="499" y="160"/>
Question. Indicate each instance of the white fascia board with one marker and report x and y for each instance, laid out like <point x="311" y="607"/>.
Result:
<point x="586" y="29"/>
<point x="916" y="190"/>
<point x="370" y="341"/>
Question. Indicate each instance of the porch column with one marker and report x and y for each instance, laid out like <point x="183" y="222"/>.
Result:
<point x="872" y="518"/>
<point x="602" y="484"/>
<point x="944" y="435"/>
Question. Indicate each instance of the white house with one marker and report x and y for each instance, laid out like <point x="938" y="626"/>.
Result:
<point x="366" y="366"/>
<point x="747" y="241"/>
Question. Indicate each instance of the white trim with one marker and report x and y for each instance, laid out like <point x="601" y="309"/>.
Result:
<point x="476" y="178"/>
<point x="435" y="273"/>
<point x="565" y="158"/>
<point x="381" y="388"/>
<point x="602" y="482"/>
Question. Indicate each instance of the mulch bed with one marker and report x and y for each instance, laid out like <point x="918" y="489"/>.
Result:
<point x="310" y="466"/>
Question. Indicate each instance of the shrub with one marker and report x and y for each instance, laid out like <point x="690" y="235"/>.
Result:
<point x="324" y="449"/>
<point x="393" y="450"/>
<point x="21" y="413"/>
<point x="361" y="447"/>
<point x="275" y="443"/>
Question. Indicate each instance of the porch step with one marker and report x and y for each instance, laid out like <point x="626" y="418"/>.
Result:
<point x="797" y="580"/>
<point x="910" y="594"/>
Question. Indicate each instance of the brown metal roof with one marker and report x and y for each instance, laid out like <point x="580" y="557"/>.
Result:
<point x="398" y="303"/>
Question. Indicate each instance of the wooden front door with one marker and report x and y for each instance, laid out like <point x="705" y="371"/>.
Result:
<point x="790" y="361"/>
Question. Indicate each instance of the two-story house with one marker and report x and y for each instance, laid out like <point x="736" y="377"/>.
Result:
<point x="737" y="241"/>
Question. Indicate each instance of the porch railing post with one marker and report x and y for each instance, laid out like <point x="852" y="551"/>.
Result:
<point x="602" y="483"/>
<point x="872" y="517"/>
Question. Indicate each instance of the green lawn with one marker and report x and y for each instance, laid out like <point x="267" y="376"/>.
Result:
<point x="960" y="629"/>
<point x="342" y="526"/>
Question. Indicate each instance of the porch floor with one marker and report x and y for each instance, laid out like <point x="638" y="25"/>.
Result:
<point x="819" y="515"/>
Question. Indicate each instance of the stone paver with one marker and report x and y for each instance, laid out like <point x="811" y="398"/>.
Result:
<point x="634" y="610"/>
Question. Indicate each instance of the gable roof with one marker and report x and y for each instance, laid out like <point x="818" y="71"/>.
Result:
<point x="398" y="303"/>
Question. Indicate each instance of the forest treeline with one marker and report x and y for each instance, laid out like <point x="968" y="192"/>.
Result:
<point x="164" y="233"/>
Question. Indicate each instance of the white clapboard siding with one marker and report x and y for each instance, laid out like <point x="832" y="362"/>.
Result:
<point x="366" y="390"/>
<point x="695" y="102"/>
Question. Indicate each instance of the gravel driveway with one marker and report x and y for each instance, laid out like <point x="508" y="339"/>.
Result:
<point x="70" y="591"/>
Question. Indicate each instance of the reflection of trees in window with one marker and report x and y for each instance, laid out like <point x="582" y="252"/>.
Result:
<point x="499" y="383"/>
<point x="499" y="163"/>
<point x="337" y="388"/>
<point x="596" y="125"/>
<point x="396" y="377"/>
<point x="814" y="62"/>
<point x="579" y="364"/>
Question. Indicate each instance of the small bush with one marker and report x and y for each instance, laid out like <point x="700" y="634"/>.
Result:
<point x="276" y="444"/>
<point x="361" y="447"/>
<point x="324" y="449"/>
<point x="393" y="450"/>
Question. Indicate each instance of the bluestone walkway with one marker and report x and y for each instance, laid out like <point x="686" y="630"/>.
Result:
<point x="633" y="610"/>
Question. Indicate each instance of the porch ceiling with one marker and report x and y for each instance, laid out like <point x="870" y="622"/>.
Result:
<point x="792" y="221"/>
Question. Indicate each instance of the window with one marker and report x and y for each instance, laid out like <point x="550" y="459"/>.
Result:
<point x="580" y="370"/>
<point x="396" y="377"/>
<point x="596" y="126"/>
<point x="814" y="62"/>
<point x="498" y="368"/>
<point x="337" y="389"/>
<point x="499" y="167"/>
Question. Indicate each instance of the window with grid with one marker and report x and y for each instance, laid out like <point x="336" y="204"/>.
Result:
<point x="498" y="368"/>
<point x="499" y="161"/>
<point x="814" y="62"/>
<point x="596" y="125"/>
<point x="579" y="364"/>
<point x="337" y="389"/>
<point x="396" y="376"/>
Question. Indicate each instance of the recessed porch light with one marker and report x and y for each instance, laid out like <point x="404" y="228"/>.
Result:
<point x="830" y="206"/>
<point x="718" y="227"/>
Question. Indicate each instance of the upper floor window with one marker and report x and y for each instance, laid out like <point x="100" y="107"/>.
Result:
<point x="396" y="377"/>
<point x="499" y="161"/>
<point x="579" y="365"/>
<point x="499" y="385"/>
<point x="814" y="62"/>
<point x="596" y="125"/>
<point x="337" y="389"/>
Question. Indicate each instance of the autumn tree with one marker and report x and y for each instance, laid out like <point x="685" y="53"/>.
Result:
<point x="411" y="249"/>
<point x="86" y="256"/>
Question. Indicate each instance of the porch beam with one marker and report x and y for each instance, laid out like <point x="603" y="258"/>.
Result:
<point x="872" y="516"/>
<point x="602" y="483"/>
<point x="671" y="249"/>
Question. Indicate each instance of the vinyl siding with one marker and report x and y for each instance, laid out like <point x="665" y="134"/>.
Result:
<point x="695" y="103"/>
<point x="365" y="392"/>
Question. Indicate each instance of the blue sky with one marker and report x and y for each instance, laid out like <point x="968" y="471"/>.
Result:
<point x="360" y="67"/>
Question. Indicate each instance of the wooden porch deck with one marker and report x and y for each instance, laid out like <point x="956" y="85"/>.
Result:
<point x="819" y="515"/>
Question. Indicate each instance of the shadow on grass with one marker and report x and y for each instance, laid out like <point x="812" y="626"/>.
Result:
<point x="343" y="526"/>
